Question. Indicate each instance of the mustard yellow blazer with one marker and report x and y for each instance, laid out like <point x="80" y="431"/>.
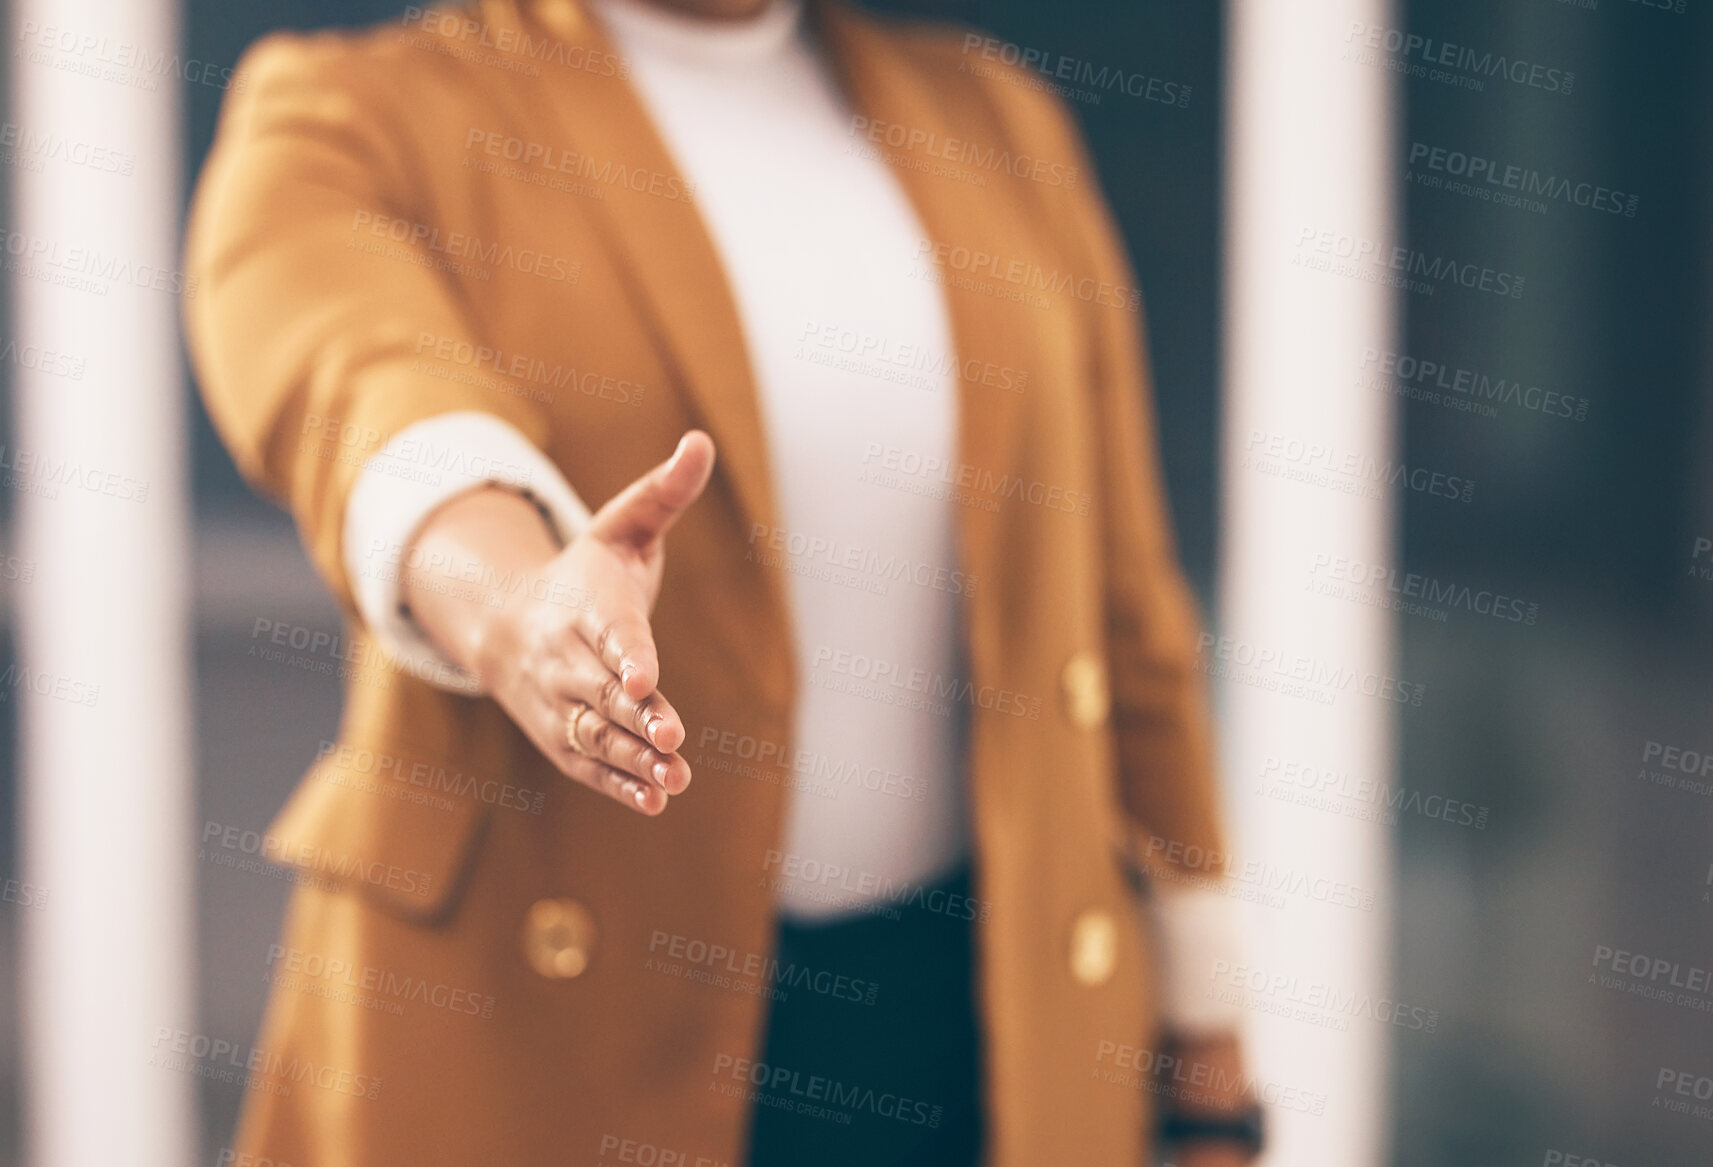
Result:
<point x="485" y="963"/>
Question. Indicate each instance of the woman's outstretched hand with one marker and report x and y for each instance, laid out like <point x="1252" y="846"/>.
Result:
<point x="570" y="654"/>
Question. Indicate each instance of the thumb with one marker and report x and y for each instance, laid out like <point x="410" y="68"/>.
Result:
<point x="644" y="510"/>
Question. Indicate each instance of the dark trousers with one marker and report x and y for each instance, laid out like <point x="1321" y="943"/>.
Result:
<point x="892" y="1083"/>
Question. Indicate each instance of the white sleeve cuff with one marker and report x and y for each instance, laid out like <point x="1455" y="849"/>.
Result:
<point x="1197" y="935"/>
<point x="424" y="465"/>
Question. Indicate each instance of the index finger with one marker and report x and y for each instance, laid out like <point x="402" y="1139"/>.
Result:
<point x="619" y="634"/>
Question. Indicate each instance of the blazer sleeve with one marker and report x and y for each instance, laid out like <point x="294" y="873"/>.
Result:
<point x="306" y="327"/>
<point x="1161" y="716"/>
<point x="1162" y="720"/>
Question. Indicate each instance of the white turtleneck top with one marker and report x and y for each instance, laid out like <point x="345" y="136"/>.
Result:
<point x="818" y="241"/>
<point x="848" y="352"/>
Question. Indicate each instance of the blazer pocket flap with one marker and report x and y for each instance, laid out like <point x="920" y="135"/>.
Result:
<point x="398" y="818"/>
<point x="341" y="832"/>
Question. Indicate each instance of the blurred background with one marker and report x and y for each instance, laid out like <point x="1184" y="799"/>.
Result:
<point x="1563" y="832"/>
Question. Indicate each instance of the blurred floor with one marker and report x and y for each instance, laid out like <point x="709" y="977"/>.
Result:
<point x="1542" y="726"/>
<point x="259" y="722"/>
<point x="1500" y="926"/>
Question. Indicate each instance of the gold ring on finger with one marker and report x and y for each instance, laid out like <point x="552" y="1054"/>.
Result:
<point x="573" y="723"/>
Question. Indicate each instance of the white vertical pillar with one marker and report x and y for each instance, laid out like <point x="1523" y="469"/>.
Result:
<point x="1310" y="167"/>
<point x="98" y="467"/>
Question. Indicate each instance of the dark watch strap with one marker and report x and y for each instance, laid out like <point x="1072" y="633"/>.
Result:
<point x="1246" y="1128"/>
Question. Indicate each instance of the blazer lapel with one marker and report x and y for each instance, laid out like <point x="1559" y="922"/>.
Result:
<point x="667" y="255"/>
<point x="676" y="272"/>
<point x="884" y="85"/>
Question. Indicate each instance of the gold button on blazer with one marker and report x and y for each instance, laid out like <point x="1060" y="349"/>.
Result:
<point x="521" y="971"/>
